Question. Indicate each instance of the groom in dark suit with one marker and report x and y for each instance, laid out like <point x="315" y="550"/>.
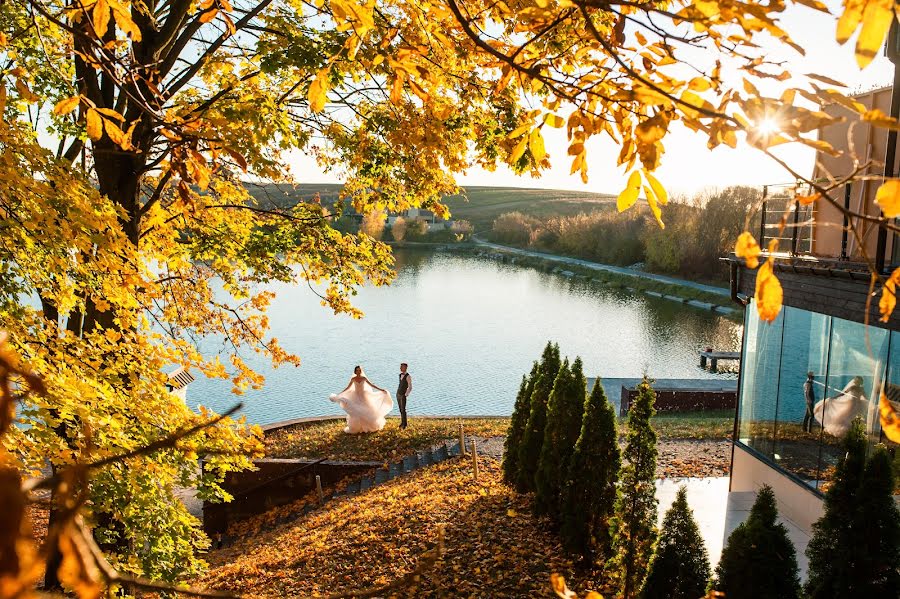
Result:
<point x="403" y="391"/>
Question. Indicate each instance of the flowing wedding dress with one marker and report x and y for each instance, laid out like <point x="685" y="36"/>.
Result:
<point x="837" y="413"/>
<point x="366" y="407"/>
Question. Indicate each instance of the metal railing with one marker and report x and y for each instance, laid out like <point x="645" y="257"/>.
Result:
<point x="784" y="218"/>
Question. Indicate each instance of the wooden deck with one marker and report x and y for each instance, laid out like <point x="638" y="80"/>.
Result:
<point x="715" y="356"/>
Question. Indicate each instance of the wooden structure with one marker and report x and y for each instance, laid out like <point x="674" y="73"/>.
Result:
<point x="683" y="400"/>
<point x="715" y="356"/>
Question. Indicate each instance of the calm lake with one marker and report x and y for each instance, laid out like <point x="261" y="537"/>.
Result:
<point x="469" y="329"/>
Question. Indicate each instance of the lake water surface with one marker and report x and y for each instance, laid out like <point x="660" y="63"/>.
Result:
<point x="469" y="329"/>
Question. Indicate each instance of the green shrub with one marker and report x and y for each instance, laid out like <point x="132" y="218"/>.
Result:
<point x="564" y="412"/>
<point x="589" y="494"/>
<point x="680" y="566"/>
<point x="855" y="548"/>
<point x="759" y="559"/>
<point x="533" y="438"/>
<point x="635" y="521"/>
<point x="517" y="425"/>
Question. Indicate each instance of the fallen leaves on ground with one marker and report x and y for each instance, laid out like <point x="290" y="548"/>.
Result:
<point x="689" y="458"/>
<point x="494" y="546"/>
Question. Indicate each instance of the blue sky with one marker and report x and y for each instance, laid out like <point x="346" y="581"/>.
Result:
<point x="687" y="165"/>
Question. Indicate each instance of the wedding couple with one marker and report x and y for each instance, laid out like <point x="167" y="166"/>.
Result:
<point x="367" y="404"/>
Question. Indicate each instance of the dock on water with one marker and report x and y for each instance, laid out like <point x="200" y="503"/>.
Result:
<point x="714" y="356"/>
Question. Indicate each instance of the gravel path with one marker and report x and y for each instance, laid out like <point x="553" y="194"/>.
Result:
<point x="678" y="458"/>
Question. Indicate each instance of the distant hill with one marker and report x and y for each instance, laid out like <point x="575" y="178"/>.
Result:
<point x="480" y="205"/>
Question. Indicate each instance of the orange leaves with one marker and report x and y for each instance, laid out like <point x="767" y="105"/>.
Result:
<point x="875" y="17"/>
<point x="888" y="300"/>
<point x="888" y="198"/>
<point x="100" y="18"/>
<point x="66" y="106"/>
<point x="78" y="570"/>
<point x="94" y="124"/>
<point x="769" y="294"/>
<point x="748" y="249"/>
<point x="890" y="419"/>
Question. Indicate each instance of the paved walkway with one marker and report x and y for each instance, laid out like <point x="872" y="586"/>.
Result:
<point x="621" y="270"/>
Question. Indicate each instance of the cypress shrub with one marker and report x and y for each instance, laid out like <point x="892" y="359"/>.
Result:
<point x="635" y="521"/>
<point x="854" y="548"/>
<point x="680" y="566"/>
<point x="589" y="494"/>
<point x="517" y="425"/>
<point x="533" y="438"/>
<point x="564" y="412"/>
<point x="759" y="559"/>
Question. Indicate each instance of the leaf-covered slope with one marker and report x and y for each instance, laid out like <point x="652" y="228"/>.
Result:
<point x="493" y="545"/>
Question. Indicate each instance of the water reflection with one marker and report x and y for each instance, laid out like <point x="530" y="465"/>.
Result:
<point x="469" y="328"/>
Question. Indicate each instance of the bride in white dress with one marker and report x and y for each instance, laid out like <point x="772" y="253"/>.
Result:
<point x="365" y="403"/>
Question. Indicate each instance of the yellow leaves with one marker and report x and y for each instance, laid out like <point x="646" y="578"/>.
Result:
<point x="888" y="198"/>
<point x="518" y="151"/>
<point x="890" y="419"/>
<point x="810" y="199"/>
<point x="747" y="248"/>
<point x="769" y="294"/>
<point x="512" y="513"/>
<point x="875" y="16"/>
<point x="94" y="124"/>
<point x="629" y="195"/>
<point x="878" y="118"/>
<point x="657" y="188"/>
<point x="536" y="145"/>
<point x="66" y="106"/>
<point x="554" y="121"/>
<point x="654" y="192"/>
<point x="318" y="91"/>
<point x="888" y="300"/>
<point x="116" y="135"/>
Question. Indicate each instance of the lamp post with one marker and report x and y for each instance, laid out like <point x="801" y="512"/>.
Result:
<point x="892" y="51"/>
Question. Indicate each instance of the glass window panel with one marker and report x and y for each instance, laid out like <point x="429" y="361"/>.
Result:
<point x="892" y="390"/>
<point x="804" y="359"/>
<point x="759" y="381"/>
<point x="855" y="371"/>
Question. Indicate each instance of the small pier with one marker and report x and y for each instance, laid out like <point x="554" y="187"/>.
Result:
<point x="714" y="356"/>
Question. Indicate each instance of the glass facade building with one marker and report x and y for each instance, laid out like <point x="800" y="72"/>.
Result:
<point x="804" y="378"/>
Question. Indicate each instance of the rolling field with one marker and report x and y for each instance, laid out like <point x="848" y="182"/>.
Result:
<point x="479" y="205"/>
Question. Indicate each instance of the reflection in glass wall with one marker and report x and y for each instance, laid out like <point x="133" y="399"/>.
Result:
<point x="855" y="373"/>
<point x="805" y="377"/>
<point x="892" y="391"/>
<point x="801" y="385"/>
<point x="759" y="381"/>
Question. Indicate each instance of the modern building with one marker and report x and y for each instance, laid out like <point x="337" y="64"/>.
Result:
<point x="827" y="358"/>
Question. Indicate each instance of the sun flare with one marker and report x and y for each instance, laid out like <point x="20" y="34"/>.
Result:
<point x="768" y="126"/>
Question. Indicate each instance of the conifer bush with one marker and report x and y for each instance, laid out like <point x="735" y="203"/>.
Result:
<point x="680" y="566"/>
<point x="855" y="548"/>
<point x="635" y="521"/>
<point x="589" y="493"/>
<point x="564" y="412"/>
<point x="517" y="425"/>
<point x="759" y="559"/>
<point x="533" y="438"/>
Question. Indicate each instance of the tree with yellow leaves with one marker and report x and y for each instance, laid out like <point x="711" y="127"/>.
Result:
<point x="126" y="231"/>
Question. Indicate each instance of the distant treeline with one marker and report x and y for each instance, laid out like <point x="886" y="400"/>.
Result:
<point x="699" y="231"/>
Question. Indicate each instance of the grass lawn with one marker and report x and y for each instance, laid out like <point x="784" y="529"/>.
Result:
<point x="493" y="545"/>
<point x="328" y="440"/>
